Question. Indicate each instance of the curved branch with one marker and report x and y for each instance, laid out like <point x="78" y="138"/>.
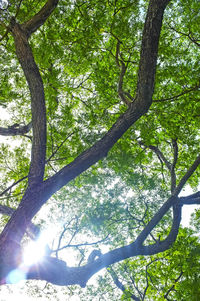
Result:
<point x="145" y="88"/>
<point x="173" y="286"/>
<point x="189" y="35"/>
<point x="156" y="218"/>
<point x="164" y="245"/>
<point x="34" y="80"/>
<point x="123" y="68"/>
<point x="193" y="199"/>
<point x="160" y="156"/>
<point x="54" y="270"/>
<point x="38" y="20"/>
<point x="120" y="63"/>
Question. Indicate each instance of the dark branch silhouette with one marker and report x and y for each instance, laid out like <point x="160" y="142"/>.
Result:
<point x="15" y="129"/>
<point x="39" y="191"/>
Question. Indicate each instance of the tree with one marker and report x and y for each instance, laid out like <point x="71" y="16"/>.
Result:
<point x="114" y="103"/>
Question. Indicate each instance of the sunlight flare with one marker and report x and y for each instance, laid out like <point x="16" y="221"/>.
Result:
<point x="33" y="253"/>
<point x="36" y="250"/>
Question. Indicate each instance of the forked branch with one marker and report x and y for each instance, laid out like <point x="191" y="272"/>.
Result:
<point x="119" y="284"/>
<point x="120" y="63"/>
<point x="170" y="166"/>
<point x="38" y="20"/>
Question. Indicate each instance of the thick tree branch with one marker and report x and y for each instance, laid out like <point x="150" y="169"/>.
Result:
<point x="15" y="130"/>
<point x="34" y="199"/>
<point x="139" y="107"/>
<point x="54" y="270"/>
<point x="38" y="20"/>
<point x="193" y="199"/>
<point x="161" y="246"/>
<point x="187" y="175"/>
<point x="156" y="218"/>
<point x="33" y="231"/>
<point x="34" y="80"/>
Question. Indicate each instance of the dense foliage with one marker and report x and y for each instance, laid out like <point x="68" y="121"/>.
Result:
<point x="100" y="110"/>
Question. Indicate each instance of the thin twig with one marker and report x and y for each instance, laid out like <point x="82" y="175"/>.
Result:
<point x="59" y="146"/>
<point x="189" y="35"/>
<point x="119" y="284"/>
<point x="81" y="245"/>
<point x="196" y="87"/>
<point x="172" y="287"/>
<point x="12" y="185"/>
<point x="173" y="174"/>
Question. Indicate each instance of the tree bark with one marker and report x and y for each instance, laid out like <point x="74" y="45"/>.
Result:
<point x="38" y="109"/>
<point x="15" y="130"/>
<point x="38" y="192"/>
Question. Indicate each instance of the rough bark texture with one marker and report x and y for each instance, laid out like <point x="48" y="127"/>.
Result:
<point x="38" y="109"/>
<point x="38" y="192"/>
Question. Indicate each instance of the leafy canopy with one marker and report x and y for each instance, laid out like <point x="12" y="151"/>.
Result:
<point x="92" y="61"/>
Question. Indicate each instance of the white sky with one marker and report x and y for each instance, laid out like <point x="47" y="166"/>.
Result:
<point x="187" y="210"/>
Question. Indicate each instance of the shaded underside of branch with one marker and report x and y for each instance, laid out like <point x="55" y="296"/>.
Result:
<point x="33" y="230"/>
<point x="193" y="199"/>
<point x="15" y="130"/>
<point x="56" y="271"/>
